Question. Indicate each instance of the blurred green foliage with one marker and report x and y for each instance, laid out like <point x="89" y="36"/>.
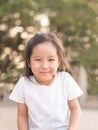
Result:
<point x="75" y="22"/>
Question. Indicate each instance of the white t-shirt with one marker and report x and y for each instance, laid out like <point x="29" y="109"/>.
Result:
<point x="47" y="105"/>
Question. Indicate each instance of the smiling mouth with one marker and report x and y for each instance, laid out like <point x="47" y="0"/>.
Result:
<point x="44" y="72"/>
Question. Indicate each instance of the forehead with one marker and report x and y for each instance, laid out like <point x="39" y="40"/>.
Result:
<point x="45" y="46"/>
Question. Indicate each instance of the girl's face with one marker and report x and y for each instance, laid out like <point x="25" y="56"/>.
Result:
<point x="44" y="62"/>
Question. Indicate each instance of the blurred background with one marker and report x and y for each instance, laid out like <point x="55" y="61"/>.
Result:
<point x="75" y="22"/>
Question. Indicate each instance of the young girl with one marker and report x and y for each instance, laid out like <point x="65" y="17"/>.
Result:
<point x="46" y="95"/>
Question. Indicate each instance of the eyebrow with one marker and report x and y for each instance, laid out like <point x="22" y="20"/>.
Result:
<point x="41" y="56"/>
<point x="36" y="56"/>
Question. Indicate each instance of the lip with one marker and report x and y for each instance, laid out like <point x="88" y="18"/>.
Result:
<point x="44" y="72"/>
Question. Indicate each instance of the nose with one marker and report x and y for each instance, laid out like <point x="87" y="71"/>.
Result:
<point x="44" y="64"/>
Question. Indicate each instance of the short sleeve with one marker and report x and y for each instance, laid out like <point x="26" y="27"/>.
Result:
<point x="17" y="94"/>
<point x="73" y="89"/>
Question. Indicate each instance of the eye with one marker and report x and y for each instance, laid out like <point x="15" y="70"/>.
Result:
<point x="38" y="59"/>
<point x="51" y="59"/>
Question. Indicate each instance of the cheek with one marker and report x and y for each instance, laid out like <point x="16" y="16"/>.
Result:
<point x="33" y="66"/>
<point x="55" y="66"/>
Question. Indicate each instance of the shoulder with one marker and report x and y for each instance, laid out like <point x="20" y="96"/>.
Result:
<point x="63" y="74"/>
<point x="65" y="77"/>
<point x="22" y="81"/>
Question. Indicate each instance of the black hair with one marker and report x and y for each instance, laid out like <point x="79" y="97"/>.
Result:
<point x="40" y="38"/>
